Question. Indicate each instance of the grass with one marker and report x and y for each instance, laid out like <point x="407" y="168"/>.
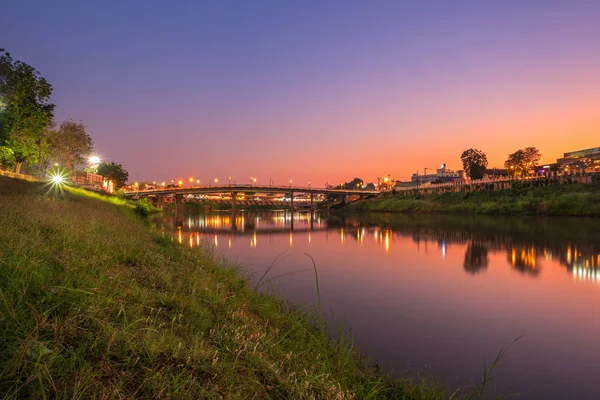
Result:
<point x="94" y="304"/>
<point x="565" y="200"/>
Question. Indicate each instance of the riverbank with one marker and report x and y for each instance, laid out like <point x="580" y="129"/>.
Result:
<point x="564" y="200"/>
<point x="96" y="305"/>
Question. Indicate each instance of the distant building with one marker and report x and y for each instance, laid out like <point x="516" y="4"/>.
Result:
<point x="492" y="173"/>
<point x="442" y="174"/>
<point x="588" y="158"/>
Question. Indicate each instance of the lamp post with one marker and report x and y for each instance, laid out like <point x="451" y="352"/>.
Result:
<point x="229" y="181"/>
<point x="308" y="185"/>
<point x="216" y="181"/>
<point x="290" y="183"/>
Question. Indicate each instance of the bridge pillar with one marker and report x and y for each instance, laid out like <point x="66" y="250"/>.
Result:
<point x="233" y="221"/>
<point x="312" y="201"/>
<point x="233" y="201"/>
<point x="159" y="200"/>
<point x="179" y="209"/>
<point x="291" y="201"/>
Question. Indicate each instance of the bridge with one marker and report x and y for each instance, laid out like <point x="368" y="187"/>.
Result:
<point x="234" y="190"/>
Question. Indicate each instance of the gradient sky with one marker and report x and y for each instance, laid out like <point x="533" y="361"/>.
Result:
<point x="315" y="90"/>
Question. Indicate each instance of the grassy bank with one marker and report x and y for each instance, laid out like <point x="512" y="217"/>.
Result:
<point x="566" y="200"/>
<point x="93" y="304"/>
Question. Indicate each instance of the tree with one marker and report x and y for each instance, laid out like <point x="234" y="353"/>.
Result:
<point x="70" y="144"/>
<point x="7" y="157"/>
<point x="114" y="172"/>
<point x="24" y="96"/>
<point x="474" y="163"/>
<point x="523" y="160"/>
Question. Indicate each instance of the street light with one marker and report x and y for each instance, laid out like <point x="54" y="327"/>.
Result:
<point x="216" y="180"/>
<point x="180" y="182"/>
<point x="290" y="183"/>
<point x="308" y="185"/>
<point x="229" y="181"/>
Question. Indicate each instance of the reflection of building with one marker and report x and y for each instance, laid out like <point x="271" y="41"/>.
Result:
<point x="524" y="259"/>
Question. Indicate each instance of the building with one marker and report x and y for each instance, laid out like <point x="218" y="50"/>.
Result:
<point x="588" y="159"/>
<point x="442" y="174"/>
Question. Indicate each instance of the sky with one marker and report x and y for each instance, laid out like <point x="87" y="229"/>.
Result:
<point x="314" y="90"/>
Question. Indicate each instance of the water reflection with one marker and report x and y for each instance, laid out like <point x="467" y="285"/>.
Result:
<point x="527" y="242"/>
<point x="438" y="290"/>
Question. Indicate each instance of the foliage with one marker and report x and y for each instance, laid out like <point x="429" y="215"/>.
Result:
<point x="474" y="163"/>
<point x="7" y="157"/>
<point x="354" y="184"/>
<point x="522" y="161"/>
<point x="143" y="207"/>
<point x="70" y="144"/>
<point x="114" y="172"/>
<point x="25" y="97"/>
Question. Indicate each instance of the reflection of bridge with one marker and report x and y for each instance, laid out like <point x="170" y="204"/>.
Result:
<point x="236" y="190"/>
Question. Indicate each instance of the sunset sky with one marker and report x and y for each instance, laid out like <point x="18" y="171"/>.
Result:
<point x="315" y="90"/>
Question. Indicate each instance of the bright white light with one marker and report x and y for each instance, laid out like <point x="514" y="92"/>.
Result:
<point x="94" y="160"/>
<point x="58" y="179"/>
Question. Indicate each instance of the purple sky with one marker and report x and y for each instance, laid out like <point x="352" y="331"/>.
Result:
<point x="314" y="90"/>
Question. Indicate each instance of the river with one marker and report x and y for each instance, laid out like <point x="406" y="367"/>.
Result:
<point x="435" y="293"/>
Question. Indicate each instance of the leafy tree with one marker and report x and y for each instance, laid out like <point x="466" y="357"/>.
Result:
<point x="114" y="172"/>
<point x="7" y="157"/>
<point x="474" y="163"/>
<point x="26" y="110"/>
<point x="70" y="144"/>
<point x="523" y="160"/>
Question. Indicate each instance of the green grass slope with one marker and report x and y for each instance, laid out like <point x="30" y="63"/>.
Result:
<point x="566" y="200"/>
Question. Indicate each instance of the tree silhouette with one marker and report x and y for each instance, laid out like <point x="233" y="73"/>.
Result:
<point x="476" y="259"/>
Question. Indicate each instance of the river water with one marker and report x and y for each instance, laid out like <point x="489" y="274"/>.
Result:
<point x="435" y="293"/>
